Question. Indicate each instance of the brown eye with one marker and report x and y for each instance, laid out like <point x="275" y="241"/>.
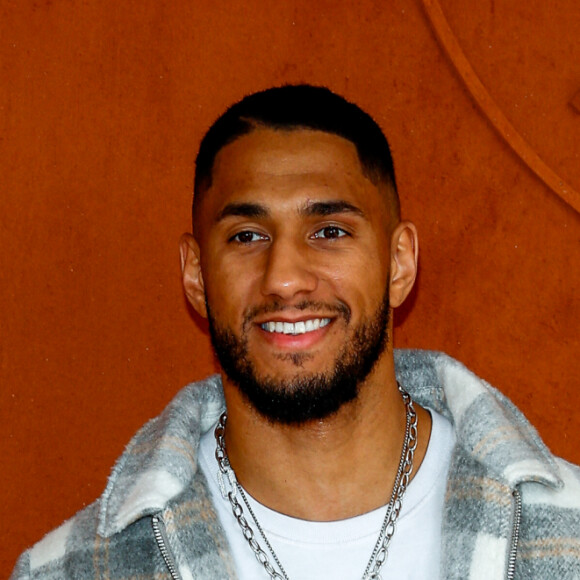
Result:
<point x="247" y="237"/>
<point x="330" y="233"/>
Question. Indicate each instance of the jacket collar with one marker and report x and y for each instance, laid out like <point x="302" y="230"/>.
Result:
<point x="161" y="460"/>
<point x="488" y="427"/>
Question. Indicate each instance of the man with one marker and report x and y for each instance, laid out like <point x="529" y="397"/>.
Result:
<point x="333" y="456"/>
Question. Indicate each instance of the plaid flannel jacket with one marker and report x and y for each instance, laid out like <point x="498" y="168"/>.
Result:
<point x="485" y="534"/>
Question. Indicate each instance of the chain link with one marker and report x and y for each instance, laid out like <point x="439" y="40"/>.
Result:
<point x="237" y="509"/>
<point x="380" y="550"/>
<point x="395" y="505"/>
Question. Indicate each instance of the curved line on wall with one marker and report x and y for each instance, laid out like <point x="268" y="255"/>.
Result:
<point x="492" y="111"/>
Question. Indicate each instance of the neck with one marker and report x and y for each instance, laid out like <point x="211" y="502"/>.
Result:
<point x="324" y="470"/>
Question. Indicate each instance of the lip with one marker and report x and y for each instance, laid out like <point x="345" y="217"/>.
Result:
<point x="295" y="341"/>
<point x="299" y="317"/>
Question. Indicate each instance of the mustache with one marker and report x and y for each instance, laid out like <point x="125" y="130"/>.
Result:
<point x="339" y="308"/>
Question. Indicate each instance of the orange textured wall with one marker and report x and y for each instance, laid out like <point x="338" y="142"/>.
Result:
<point x="102" y="105"/>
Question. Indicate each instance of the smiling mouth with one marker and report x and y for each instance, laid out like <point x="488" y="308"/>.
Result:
<point x="301" y="327"/>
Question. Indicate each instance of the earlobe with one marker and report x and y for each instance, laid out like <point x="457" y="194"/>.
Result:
<point x="404" y="260"/>
<point x="192" y="277"/>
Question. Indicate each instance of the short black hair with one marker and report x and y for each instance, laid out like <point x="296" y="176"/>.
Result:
<point x="294" y="107"/>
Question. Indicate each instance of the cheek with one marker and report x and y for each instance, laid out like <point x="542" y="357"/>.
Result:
<point x="229" y="294"/>
<point x="362" y="276"/>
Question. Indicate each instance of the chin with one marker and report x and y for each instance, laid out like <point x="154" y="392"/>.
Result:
<point x="300" y="395"/>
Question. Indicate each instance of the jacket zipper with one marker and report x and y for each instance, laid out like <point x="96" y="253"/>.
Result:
<point x="160" y="534"/>
<point x="515" y="535"/>
<point x="162" y="542"/>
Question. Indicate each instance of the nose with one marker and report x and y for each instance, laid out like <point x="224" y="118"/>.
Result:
<point x="288" y="272"/>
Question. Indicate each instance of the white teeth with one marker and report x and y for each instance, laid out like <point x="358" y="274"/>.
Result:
<point x="300" y="327"/>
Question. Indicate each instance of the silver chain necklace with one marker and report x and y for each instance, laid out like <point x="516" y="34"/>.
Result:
<point x="227" y="479"/>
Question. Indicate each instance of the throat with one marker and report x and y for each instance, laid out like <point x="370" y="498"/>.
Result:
<point x="234" y="493"/>
<point x="353" y="469"/>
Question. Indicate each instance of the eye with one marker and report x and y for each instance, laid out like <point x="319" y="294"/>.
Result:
<point x="330" y="233"/>
<point x="247" y="237"/>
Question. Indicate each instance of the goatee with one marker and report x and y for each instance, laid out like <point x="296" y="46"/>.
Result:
<point x="304" y="397"/>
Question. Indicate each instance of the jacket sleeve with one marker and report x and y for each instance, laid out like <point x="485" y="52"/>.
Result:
<point x="22" y="569"/>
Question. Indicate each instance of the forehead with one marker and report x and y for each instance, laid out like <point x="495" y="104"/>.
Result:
<point x="284" y="152"/>
<point x="285" y="169"/>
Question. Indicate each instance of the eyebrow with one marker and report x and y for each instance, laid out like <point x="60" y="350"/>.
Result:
<point x="310" y="209"/>
<point x="243" y="209"/>
<point x="325" y="208"/>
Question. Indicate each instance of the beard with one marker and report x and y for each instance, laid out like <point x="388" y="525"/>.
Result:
<point x="303" y="397"/>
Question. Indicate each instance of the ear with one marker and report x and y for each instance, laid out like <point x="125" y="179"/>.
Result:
<point x="191" y="273"/>
<point x="404" y="256"/>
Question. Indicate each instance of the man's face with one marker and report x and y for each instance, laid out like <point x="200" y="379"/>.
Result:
<point x="295" y="260"/>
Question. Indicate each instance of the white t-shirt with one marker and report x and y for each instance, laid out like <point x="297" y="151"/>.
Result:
<point x="341" y="549"/>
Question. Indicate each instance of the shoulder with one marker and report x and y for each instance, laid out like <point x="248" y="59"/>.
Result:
<point x="158" y="466"/>
<point x="76" y="551"/>
<point x="47" y="558"/>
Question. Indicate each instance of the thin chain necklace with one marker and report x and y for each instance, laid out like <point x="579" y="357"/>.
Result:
<point x="230" y="488"/>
